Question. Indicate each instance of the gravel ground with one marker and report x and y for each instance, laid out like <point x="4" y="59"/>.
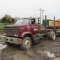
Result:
<point x="45" y="50"/>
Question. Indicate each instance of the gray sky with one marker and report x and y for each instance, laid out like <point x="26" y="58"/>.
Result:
<point x="27" y="8"/>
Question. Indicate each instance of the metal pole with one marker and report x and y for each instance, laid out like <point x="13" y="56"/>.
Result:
<point x="54" y="24"/>
<point x="40" y="16"/>
<point x="46" y="23"/>
<point x="38" y="25"/>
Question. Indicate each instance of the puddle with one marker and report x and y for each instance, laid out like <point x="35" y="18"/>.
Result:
<point x="57" y="59"/>
<point x="47" y="53"/>
<point x="2" y="46"/>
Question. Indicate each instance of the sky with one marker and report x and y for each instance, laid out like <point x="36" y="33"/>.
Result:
<point x="30" y="8"/>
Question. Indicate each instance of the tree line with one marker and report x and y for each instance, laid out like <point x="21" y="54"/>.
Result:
<point x="7" y="19"/>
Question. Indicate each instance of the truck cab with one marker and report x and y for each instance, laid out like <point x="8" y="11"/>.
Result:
<point x="21" y="33"/>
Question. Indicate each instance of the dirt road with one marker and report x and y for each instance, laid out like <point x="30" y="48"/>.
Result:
<point x="45" y="50"/>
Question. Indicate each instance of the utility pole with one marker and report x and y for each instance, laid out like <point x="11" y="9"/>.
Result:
<point x="41" y="15"/>
<point x="35" y="13"/>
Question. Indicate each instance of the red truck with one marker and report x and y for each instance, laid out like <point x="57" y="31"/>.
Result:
<point x="26" y="31"/>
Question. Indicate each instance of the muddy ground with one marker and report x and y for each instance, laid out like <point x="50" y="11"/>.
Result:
<point x="45" y="50"/>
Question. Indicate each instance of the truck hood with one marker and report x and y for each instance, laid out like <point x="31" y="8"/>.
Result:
<point x="12" y="25"/>
<point x="15" y="25"/>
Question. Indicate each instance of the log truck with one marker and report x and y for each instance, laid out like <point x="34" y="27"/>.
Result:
<point x="25" y="32"/>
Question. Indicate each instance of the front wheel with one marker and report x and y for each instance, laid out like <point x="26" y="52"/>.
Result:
<point x="26" y="44"/>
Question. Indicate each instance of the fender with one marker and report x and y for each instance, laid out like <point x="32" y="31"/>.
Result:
<point x="24" y="33"/>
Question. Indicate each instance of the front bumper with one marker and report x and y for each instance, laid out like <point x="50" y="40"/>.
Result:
<point x="11" y="40"/>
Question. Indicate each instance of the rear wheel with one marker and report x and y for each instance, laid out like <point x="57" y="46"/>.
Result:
<point x="52" y="35"/>
<point x="26" y="44"/>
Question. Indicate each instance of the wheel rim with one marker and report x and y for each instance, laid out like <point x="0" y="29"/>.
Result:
<point x="53" y="36"/>
<point x="27" y="44"/>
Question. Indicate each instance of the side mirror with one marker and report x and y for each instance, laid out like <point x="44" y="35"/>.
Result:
<point x="32" y="22"/>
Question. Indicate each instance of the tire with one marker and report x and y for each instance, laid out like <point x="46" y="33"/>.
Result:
<point x="52" y="35"/>
<point x="37" y="38"/>
<point x="26" y="44"/>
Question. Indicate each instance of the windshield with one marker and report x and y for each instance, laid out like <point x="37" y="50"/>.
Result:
<point x="22" y="22"/>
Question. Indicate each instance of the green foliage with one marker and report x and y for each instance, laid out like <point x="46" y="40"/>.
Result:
<point x="4" y="20"/>
<point x="0" y="20"/>
<point x="13" y="20"/>
<point x="1" y="26"/>
<point x="7" y="19"/>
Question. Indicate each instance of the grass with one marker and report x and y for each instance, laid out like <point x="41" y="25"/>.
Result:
<point x="1" y="27"/>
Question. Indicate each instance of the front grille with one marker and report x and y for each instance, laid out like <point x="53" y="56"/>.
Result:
<point x="10" y="30"/>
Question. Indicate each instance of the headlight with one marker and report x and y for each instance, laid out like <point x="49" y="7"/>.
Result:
<point x="4" y="34"/>
<point x="16" y="35"/>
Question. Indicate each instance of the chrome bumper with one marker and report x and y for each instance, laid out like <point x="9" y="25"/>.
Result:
<point x="11" y="40"/>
